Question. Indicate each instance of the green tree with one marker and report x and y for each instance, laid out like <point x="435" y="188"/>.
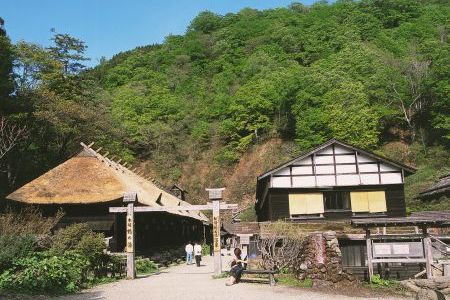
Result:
<point x="6" y="70"/>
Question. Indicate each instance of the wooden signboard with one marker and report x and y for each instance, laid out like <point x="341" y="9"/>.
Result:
<point x="129" y="197"/>
<point x="130" y="234"/>
<point x="216" y="233"/>
<point x="398" y="249"/>
<point x="244" y="239"/>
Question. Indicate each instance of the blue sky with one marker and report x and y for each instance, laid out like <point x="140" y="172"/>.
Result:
<point x="111" y="26"/>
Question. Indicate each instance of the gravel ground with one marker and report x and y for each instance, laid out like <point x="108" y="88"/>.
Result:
<point x="191" y="282"/>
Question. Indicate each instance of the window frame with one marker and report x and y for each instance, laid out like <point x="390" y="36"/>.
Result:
<point x="349" y="209"/>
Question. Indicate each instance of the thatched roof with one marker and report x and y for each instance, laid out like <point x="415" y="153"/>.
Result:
<point x="440" y="187"/>
<point x="242" y="228"/>
<point x="89" y="178"/>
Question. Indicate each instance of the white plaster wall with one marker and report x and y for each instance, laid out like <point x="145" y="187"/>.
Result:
<point x="303" y="181"/>
<point x="281" y="182"/>
<point x="325" y="180"/>
<point x="302" y="170"/>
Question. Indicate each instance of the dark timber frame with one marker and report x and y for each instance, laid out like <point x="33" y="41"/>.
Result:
<point x="130" y="198"/>
<point x="425" y="238"/>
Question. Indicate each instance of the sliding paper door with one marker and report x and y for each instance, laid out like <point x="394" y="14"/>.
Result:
<point x="373" y="202"/>
<point x="305" y="204"/>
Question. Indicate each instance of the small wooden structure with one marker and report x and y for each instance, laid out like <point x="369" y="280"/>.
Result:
<point x="404" y="248"/>
<point x="178" y="191"/>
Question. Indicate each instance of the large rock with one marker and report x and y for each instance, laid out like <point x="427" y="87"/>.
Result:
<point x="426" y="294"/>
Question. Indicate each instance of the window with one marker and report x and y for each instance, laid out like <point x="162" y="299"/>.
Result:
<point x="373" y="202"/>
<point x="305" y="204"/>
<point x="337" y="200"/>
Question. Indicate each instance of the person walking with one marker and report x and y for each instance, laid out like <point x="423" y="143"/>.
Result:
<point x="198" y="253"/>
<point x="189" y="249"/>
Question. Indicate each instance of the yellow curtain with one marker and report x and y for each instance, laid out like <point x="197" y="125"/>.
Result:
<point x="359" y="201"/>
<point x="303" y="204"/>
<point x="297" y="204"/>
<point x="373" y="202"/>
<point x="314" y="204"/>
<point x="377" y="201"/>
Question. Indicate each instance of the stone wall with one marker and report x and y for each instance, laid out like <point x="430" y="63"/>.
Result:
<point x="321" y="259"/>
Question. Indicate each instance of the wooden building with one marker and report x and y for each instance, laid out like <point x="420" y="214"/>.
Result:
<point x="332" y="181"/>
<point x="178" y="191"/>
<point x="86" y="185"/>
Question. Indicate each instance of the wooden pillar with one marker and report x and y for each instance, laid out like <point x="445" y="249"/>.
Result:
<point x="216" y="237"/>
<point x="130" y="239"/>
<point x="428" y="253"/>
<point x="369" y="254"/>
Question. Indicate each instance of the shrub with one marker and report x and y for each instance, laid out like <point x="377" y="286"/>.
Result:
<point x="46" y="273"/>
<point x="145" y="266"/>
<point x="27" y="221"/>
<point x="81" y="239"/>
<point x="14" y="247"/>
<point x="205" y="249"/>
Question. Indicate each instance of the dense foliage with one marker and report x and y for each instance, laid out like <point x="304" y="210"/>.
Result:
<point x="373" y="73"/>
<point x="15" y="247"/>
<point x="67" y="261"/>
<point x="45" y="273"/>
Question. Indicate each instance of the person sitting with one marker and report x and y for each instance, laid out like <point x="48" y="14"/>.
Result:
<point x="237" y="267"/>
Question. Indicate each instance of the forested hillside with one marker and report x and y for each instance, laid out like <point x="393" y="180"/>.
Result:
<point x="240" y="93"/>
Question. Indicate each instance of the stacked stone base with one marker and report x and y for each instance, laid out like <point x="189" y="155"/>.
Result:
<point x="321" y="259"/>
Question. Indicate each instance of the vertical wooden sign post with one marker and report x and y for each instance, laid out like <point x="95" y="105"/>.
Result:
<point x="215" y="195"/>
<point x="130" y="198"/>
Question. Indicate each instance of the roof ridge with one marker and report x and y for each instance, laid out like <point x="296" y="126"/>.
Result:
<point x="123" y="168"/>
<point x="336" y="141"/>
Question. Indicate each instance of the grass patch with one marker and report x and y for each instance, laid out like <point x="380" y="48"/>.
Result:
<point x="291" y="281"/>
<point x="392" y="286"/>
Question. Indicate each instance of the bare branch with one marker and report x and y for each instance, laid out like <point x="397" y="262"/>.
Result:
<point x="10" y="134"/>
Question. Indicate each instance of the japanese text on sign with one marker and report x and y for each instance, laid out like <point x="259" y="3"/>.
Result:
<point x="216" y="233"/>
<point x="129" y="234"/>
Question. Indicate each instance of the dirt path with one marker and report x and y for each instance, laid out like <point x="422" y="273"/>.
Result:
<point x="190" y="282"/>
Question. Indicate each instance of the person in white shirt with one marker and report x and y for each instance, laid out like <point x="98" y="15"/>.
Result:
<point x="198" y="253"/>
<point x="189" y="249"/>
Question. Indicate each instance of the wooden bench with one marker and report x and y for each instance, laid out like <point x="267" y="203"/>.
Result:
<point x="270" y="273"/>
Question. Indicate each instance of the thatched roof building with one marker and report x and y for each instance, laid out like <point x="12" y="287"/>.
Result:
<point x="91" y="178"/>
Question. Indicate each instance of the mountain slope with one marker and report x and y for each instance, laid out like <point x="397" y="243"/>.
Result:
<point x="202" y="108"/>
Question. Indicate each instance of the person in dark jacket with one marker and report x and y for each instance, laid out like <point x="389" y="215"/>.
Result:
<point x="237" y="267"/>
<point x="198" y="253"/>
